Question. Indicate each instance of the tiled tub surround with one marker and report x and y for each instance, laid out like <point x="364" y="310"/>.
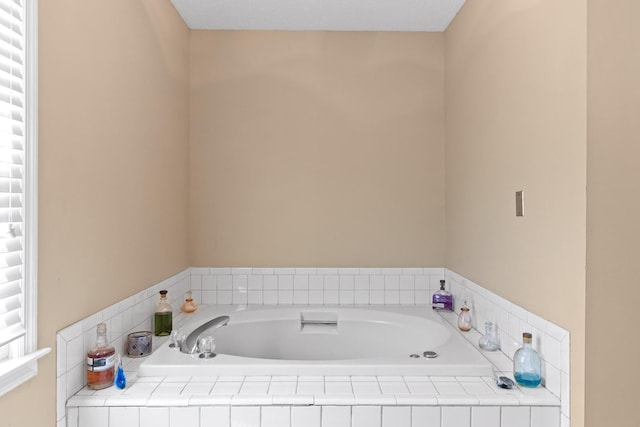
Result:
<point x="459" y="403"/>
<point x="551" y="341"/>
<point x="302" y="401"/>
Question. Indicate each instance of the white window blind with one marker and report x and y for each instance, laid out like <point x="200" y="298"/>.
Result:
<point x="12" y="147"/>
<point x="18" y="193"/>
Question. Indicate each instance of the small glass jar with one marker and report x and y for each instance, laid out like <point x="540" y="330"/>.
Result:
<point x="189" y="305"/>
<point x="163" y="316"/>
<point x="464" y="319"/>
<point x="489" y="341"/>
<point x="527" y="364"/>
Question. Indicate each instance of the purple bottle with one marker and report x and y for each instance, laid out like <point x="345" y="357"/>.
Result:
<point x="442" y="299"/>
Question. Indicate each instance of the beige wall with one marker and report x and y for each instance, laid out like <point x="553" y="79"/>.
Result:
<point x="613" y="226"/>
<point x="317" y="149"/>
<point x="516" y="120"/>
<point x="113" y="167"/>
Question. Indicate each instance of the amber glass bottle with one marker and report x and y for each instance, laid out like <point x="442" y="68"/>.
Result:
<point x="101" y="361"/>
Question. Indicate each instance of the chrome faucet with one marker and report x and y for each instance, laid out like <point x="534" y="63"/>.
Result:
<point x="190" y="344"/>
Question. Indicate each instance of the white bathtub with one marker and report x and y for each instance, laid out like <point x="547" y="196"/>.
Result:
<point x="284" y="341"/>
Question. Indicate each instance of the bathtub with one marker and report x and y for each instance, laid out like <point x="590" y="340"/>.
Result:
<point x="323" y="341"/>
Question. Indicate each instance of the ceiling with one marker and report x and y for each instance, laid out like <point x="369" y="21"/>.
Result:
<point x="333" y="15"/>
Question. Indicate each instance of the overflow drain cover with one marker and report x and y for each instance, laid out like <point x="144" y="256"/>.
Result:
<point x="430" y="354"/>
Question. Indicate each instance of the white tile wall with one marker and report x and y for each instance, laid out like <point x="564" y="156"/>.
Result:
<point x="366" y="416"/>
<point x="550" y="340"/>
<point x="315" y="286"/>
<point x="276" y="416"/>
<point x="485" y="416"/>
<point x="305" y="416"/>
<point x="211" y="416"/>
<point x="317" y="416"/>
<point x="425" y="416"/>
<point x="339" y="400"/>
<point x="154" y="417"/>
<point x="545" y="417"/>
<point x="94" y="417"/>
<point x="516" y="416"/>
<point x="393" y="416"/>
<point x="124" y="416"/>
<point x="179" y="416"/>
<point x="456" y="416"/>
<point x="336" y="416"/>
<point x="241" y="416"/>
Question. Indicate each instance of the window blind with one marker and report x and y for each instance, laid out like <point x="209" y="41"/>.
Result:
<point x="12" y="143"/>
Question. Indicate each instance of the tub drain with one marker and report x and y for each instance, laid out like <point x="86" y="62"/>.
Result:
<point x="414" y="356"/>
<point x="430" y="354"/>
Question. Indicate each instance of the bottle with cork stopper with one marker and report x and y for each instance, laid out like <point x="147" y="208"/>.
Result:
<point x="100" y="361"/>
<point x="527" y="364"/>
<point x="163" y="317"/>
<point x="465" y="321"/>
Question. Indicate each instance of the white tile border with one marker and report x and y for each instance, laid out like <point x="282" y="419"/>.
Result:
<point x="315" y="416"/>
<point x="314" y="286"/>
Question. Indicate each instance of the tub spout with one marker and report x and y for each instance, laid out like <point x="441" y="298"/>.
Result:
<point x="190" y="344"/>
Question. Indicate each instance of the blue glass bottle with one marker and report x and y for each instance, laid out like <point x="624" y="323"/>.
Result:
<point x="527" y="364"/>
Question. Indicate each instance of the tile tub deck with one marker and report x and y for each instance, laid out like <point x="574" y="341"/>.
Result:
<point x="193" y="397"/>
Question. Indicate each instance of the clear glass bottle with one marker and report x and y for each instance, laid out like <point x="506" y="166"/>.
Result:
<point x="489" y="341"/>
<point x="101" y="361"/>
<point x="442" y="299"/>
<point x="163" y="317"/>
<point x="464" y="319"/>
<point x="189" y="305"/>
<point x="527" y="364"/>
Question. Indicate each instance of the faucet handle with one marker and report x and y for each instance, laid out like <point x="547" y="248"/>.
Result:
<point x="177" y="338"/>
<point x="206" y="346"/>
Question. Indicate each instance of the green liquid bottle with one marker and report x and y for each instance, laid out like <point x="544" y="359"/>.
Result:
<point x="163" y="317"/>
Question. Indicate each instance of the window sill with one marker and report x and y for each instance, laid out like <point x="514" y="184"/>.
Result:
<point x="14" y="372"/>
